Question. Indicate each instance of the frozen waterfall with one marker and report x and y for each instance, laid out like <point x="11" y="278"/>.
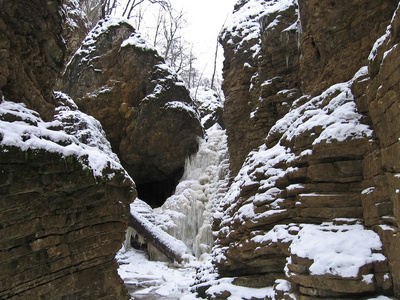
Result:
<point x="187" y="214"/>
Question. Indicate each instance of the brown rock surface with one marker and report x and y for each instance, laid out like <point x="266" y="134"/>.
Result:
<point x="312" y="168"/>
<point x="379" y="97"/>
<point x="260" y="79"/>
<point x="31" y="52"/>
<point x="76" y="25"/>
<point x="336" y="39"/>
<point x="61" y="223"/>
<point x="146" y="111"/>
<point x="60" y="228"/>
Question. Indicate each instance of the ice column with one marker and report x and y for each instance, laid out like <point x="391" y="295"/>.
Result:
<point x="187" y="215"/>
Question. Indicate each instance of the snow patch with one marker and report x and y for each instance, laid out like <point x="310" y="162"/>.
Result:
<point x="71" y="133"/>
<point x="337" y="249"/>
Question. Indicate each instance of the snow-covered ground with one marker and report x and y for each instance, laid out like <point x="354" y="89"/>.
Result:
<point x="147" y="279"/>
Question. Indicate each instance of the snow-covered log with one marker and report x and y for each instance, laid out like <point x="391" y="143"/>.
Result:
<point x="172" y="248"/>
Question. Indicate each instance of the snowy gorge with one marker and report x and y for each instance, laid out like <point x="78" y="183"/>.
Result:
<point x="117" y="182"/>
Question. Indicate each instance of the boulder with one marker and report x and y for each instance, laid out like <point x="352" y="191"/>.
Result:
<point x="144" y="108"/>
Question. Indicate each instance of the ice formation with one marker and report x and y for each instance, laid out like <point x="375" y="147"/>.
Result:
<point x="187" y="215"/>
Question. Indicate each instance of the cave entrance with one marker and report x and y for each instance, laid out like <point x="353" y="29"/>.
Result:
<point x="154" y="193"/>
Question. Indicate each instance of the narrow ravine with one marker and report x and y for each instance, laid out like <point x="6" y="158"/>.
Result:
<point x="186" y="216"/>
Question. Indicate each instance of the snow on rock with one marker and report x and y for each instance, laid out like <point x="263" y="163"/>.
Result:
<point x="245" y="23"/>
<point x="226" y="287"/>
<point x="337" y="249"/>
<point x="88" y="45"/>
<point x="209" y="105"/>
<point x="71" y="133"/>
<point x="256" y="213"/>
<point x="334" y="111"/>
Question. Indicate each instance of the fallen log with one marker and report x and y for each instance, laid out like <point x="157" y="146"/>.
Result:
<point x="171" y="247"/>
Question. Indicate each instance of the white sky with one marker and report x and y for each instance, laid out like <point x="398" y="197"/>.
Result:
<point x="205" y="19"/>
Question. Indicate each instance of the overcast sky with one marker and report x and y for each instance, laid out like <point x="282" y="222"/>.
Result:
<point x="205" y="19"/>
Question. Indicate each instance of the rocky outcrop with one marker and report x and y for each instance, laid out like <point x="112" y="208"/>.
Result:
<point x="76" y="25"/>
<point x="145" y="110"/>
<point x="65" y="206"/>
<point x="325" y="170"/>
<point x="377" y="96"/>
<point x="260" y="73"/>
<point x="336" y="39"/>
<point x="60" y="229"/>
<point x="64" y="195"/>
<point x="31" y="53"/>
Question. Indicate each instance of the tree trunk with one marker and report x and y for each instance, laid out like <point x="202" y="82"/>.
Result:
<point x="172" y="248"/>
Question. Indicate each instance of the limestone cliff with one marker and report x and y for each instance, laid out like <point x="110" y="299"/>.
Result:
<point x="64" y="196"/>
<point x="312" y="134"/>
<point x="32" y="52"/>
<point x="76" y="25"/>
<point x="144" y="108"/>
<point x="260" y="74"/>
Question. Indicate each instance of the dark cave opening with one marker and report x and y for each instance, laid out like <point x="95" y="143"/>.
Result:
<point x="154" y="193"/>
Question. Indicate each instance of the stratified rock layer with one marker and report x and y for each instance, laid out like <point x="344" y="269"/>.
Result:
<point x="260" y="76"/>
<point x="145" y="110"/>
<point x="64" y="197"/>
<point x="378" y="97"/>
<point x="31" y="52"/>
<point x="60" y="228"/>
<point x="326" y="165"/>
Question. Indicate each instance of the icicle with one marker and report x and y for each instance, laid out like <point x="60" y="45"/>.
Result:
<point x="128" y="237"/>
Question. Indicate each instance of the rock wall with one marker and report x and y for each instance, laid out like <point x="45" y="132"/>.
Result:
<point x="76" y="25"/>
<point x="378" y="97"/>
<point x="32" y="52"/>
<point x="64" y="197"/>
<point x="325" y="166"/>
<point x="60" y="228"/>
<point x="260" y="75"/>
<point x="336" y="39"/>
<point x="144" y="108"/>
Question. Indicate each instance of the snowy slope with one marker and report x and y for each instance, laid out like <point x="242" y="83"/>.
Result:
<point x="71" y="133"/>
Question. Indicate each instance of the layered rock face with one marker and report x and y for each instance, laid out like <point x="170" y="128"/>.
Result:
<point x="31" y="52"/>
<point x="145" y="110"/>
<point x="260" y="82"/>
<point x="324" y="171"/>
<point x="60" y="228"/>
<point x="64" y="196"/>
<point x="378" y="97"/>
<point x="336" y="39"/>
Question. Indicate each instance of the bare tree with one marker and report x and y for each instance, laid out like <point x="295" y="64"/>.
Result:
<point x="213" y="79"/>
<point x="171" y="29"/>
<point x="166" y="33"/>
<point x="132" y="4"/>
